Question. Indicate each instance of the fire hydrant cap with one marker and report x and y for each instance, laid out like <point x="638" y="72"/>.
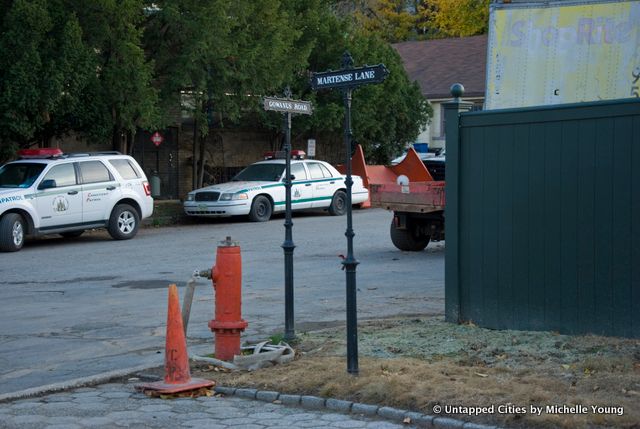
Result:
<point x="228" y="242"/>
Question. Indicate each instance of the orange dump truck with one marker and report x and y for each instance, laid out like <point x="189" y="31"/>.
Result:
<point x="414" y="190"/>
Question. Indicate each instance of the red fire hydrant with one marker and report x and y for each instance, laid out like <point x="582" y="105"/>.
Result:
<point x="226" y="276"/>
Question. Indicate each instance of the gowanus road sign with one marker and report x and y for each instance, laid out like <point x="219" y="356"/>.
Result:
<point x="288" y="106"/>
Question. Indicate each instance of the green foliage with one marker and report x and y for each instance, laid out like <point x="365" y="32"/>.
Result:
<point x="43" y="71"/>
<point x="225" y="54"/>
<point x="122" y="87"/>
<point x="189" y="41"/>
<point x="386" y="117"/>
<point x="106" y="67"/>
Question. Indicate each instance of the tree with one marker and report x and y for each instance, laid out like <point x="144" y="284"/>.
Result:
<point x="121" y="96"/>
<point x="401" y="20"/>
<point x="392" y="20"/>
<point x="72" y="65"/>
<point x="224" y="55"/>
<point x="386" y="117"/>
<point x="44" y="69"/>
<point x="456" y="19"/>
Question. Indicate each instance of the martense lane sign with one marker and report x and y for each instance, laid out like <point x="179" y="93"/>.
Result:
<point x="349" y="77"/>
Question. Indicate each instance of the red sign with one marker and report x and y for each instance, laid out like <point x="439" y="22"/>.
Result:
<point x="157" y="139"/>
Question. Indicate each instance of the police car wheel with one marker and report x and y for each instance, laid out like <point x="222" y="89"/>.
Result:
<point x="260" y="209"/>
<point x="12" y="232"/>
<point x="124" y="222"/>
<point x="338" y="205"/>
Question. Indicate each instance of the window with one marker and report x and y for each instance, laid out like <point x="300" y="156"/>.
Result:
<point x="315" y="170"/>
<point x="125" y="168"/>
<point x="260" y="172"/>
<point x="298" y="171"/>
<point x="63" y="174"/>
<point x="94" y="172"/>
<point x="19" y="175"/>
<point x="325" y="171"/>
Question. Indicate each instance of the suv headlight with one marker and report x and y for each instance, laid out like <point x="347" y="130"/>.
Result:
<point x="191" y="197"/>
<point x="229" y="197"/>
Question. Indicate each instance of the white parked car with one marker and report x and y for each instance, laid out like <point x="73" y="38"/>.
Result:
<point x="48" y="192"/>
<point x="258" y="190"/>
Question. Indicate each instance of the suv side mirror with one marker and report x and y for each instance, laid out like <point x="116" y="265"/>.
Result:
<point x="47" y="184"/>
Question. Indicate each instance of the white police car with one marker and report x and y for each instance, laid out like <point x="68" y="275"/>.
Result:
<point x="48" y="192"/>
<point x="258" y="190"/>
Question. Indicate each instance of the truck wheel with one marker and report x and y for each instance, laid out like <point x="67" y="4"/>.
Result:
<point x="338" y="205"/>
<point x="12" y="232"/>
<point x="124" y="222"/>
<point x="260" y="209"/>
<point x="404" y="239"/>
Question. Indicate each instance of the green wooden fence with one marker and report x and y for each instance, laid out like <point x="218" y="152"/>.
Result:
<point x="543" y="217"/>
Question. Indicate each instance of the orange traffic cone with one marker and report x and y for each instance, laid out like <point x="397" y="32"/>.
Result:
<point x="177" y="376"/>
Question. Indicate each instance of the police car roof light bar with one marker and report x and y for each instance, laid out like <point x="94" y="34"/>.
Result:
<point x="48" y="152"/>
<point x="280" y="154"/>
<point x="298" y="154"/>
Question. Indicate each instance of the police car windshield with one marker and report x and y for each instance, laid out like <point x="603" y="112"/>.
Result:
<point x="19" y="175"/>
<point x="260" y="172"/>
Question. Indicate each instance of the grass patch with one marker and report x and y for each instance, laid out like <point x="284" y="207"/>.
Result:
<point x="416" y="363"/>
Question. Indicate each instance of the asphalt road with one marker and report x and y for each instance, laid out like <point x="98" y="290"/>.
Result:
<point x="78" y="307"/>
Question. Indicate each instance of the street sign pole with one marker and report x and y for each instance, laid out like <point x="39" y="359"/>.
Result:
<point x="348" y="78"/>
<point x="288" y="107"/>
<point x="288" y="246"/>
<point x="350" y="263"/>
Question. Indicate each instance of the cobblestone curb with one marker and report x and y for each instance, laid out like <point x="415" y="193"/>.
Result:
<point x="387" y="413"/>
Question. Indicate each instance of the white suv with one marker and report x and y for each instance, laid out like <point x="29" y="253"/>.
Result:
<point x="48" y="192"/>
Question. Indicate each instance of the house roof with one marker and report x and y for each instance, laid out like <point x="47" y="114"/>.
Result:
<point x="439" y="63"/>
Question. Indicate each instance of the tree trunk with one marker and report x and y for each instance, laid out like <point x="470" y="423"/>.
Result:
<point x="116" y="139"/>
<point x="201" y="175"/>
<point x="194" y="179"/>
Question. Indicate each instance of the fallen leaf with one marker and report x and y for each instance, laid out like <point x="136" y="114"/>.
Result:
<point x="479" y="374"/>
<point x="565" y="366"/>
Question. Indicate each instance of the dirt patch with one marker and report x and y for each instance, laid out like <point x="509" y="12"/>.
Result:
<point x="419" y="363"/>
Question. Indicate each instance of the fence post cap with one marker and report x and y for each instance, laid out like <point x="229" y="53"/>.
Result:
<point x="457" y="90"/>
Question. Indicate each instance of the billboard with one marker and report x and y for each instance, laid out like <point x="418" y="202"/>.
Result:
<point x="562" y="52"/>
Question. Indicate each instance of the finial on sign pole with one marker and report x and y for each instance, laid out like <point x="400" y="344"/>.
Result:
<point x="347" y="60"/>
